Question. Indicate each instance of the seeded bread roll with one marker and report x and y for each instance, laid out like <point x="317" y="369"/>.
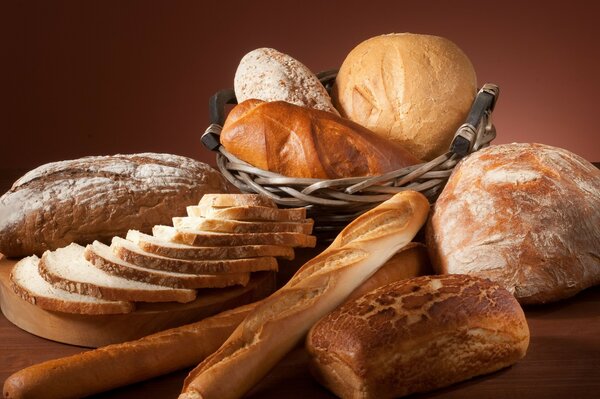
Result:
<point x="96" y="198"/>
<point x="417" y="335"/>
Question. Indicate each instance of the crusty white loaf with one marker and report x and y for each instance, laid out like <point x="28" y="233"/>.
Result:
<point x="269" y="75"/>
<point x="417" y="335"/>
<point x="524" y="215"/>
<point x="321" y="285"/>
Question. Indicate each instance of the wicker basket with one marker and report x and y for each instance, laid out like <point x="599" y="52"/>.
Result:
<point x="334" y="203"/>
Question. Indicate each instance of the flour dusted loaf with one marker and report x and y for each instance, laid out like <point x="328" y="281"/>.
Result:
<point x="417" y="335"/>
<point x="269" y="75"/>
<point x="96" y="198"/>
<point x="524" y="215"/>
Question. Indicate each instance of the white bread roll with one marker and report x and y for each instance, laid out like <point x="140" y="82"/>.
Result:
<point x="524" y="215"/>
<point x="417" y="335"/>
<point x="413" y="89"/>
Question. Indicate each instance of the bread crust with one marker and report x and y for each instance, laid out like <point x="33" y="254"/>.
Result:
<point x="417" y="335"/>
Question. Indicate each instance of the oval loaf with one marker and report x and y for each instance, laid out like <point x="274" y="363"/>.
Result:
<point x="96" y="198"/>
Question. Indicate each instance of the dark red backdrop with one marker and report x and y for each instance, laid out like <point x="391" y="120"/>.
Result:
<point x="101" y="77"/>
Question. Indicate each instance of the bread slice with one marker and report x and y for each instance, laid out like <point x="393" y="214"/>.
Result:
<point x="248" y="213"/>
<point x="102" y="256"/>
<point x="130" y="252"/>
<point x="29" y="285"/>
<point x="206" y="238"/>
<point x="66" y="268"/>
<point x="227" y="200"/>
<point x="235" y="226"/>
<point x="170" y="249"/>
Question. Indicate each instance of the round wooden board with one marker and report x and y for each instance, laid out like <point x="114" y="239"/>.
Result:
<point x="99" y="330"/>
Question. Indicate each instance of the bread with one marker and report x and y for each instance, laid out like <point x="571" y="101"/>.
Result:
<point x="282" y="320"/>
<point x="300" y="142"/>
<point x="117" y="365"/>
<point x="170" y="249"/>
<point x="96" y="198"/>
<point x="129" y="252"/>
<point x="417" y="335"/>
<point x="523" y="215"/>
<point x="211" y="239"/>
<point x="102" y="256"/>
<point x="235" y="226"/>
<point x="268" y="75"/>
<point x="415" y="90"/>
<point x="29" y="285"/>
<point x="233" y="200"/>
<point x="249" y="213"/>
<point x="67" y="269"/>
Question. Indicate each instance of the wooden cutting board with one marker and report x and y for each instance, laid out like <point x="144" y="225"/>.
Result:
<point x="99" y="330"/>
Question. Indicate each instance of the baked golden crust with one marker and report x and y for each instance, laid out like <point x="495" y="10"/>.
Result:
<point x="417" y="335"/>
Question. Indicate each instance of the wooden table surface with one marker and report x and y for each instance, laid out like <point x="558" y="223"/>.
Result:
<point x="563" y="360"/>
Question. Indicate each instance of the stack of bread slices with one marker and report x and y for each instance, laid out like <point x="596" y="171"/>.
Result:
<point x="224" y="239"/>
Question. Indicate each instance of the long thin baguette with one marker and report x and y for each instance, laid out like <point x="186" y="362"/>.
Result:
<point x="112" y="366"/>
<point x="283" y="319"/>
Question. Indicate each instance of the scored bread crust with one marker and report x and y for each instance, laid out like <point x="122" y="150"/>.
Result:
<point x="61" y="305"/>
<point x="131" y="253"/>
<point x="171" y="249"/>
<point x="236" y="226"/>
<point x="204" y="238"/>
<point x="417" y="335"/>
<point x="280" y="321"/>
<point x="102" y="257"/>
<point x="249" y="213"/>
<point x="106" y="291"/>
<point x="233" y="200"/>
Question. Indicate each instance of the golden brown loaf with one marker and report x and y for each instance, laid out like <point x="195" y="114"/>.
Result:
<point x="413" y="89"/>
<point x="524" y="215"/>
<point x="417" y="335"/>
<point x="301" y="142"/>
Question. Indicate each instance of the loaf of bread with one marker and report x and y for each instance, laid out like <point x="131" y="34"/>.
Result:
<point x="322" y="284"/>
<point x="300" y="142"/>
<point x="96" y="198"/>
<point x="269" y="75"/>
<point x="415" y="90"/>
<point x="526" y="216"/>
<point x="417" y="335"/>
<point x="112" y="366"/>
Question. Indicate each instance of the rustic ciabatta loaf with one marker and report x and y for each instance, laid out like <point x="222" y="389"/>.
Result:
<point x="233" y="200"/>
<point x="249" y="213"/>
<point x="103" y="257"/>
<point x="67" y="269"/>
<point x="171" y="249"/>
<point x="417" y="335"/>
<point x="238" y="227"/>
<point x="206" y="238"/>
<point x="300" y="142"/>
<point x="96" y="198"/>
<point x="282" y="320"/>
<point x="117" y="365"/>
<point x="29" y="285"/>
<point x="526" y="216"/>
<point x="269" y="75"/>
<point x="129" y="252"/>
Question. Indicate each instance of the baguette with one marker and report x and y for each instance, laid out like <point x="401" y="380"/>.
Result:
<point x="283" y="319"/>
<point x="116" y="365"/>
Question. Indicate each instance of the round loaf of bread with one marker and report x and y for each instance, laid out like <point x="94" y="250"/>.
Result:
<point x="269" y="75"/>
<point x="417" y="335"/>
<point x="524" y="215"/>
<point x="413" y="89"/>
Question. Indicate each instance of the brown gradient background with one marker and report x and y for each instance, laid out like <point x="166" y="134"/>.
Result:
<point x="101" y="77"/>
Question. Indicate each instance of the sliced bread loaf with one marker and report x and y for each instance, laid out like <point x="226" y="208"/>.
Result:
<point x="227" y="200"/>
<point x="206" y="238"/>
<point x="170" y="249"/>
<point x="66" y="268"/>
<point x="249" y="213"/>
<point x="29" y="285"/>
<point x="236" y="226"/>
<point x="102" y="256"/>
<point x="130" y="252"/>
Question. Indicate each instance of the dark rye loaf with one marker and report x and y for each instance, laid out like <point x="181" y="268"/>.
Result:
<point x="96" y="198"/>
